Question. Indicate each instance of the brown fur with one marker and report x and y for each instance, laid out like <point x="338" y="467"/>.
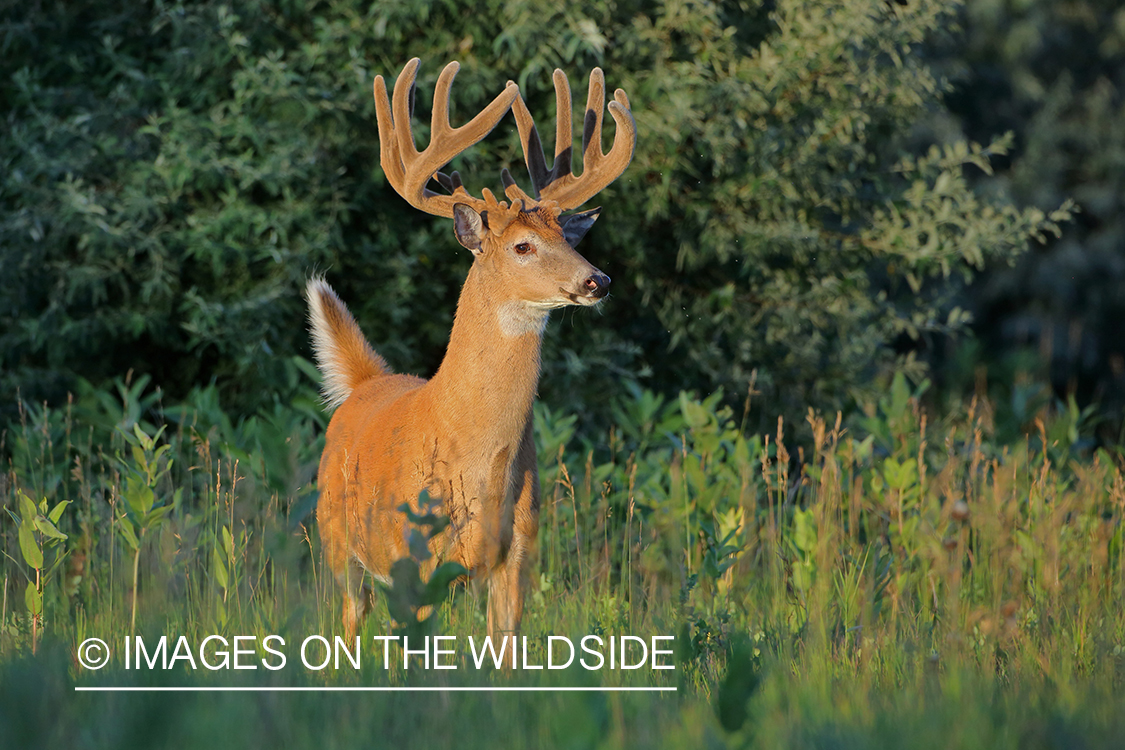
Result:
<point x="464" y="436"/>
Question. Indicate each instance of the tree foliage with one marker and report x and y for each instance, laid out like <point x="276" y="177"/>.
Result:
<point x="1054" y="74"/>
<point x="174" y="170"/>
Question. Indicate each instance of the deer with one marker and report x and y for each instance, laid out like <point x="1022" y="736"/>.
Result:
<point x="464" y="437"/>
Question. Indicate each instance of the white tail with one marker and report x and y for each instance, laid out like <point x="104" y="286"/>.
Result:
<point x="342" y="353"/>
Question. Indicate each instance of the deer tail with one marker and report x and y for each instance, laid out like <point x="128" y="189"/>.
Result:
<point x="343" y="356"/>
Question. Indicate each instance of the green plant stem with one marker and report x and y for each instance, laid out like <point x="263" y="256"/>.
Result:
<point x="136" y="575"/>
<point x="35" y="615"/>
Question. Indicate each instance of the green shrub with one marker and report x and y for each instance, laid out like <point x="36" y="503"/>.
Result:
<point x="1054" y="74"/>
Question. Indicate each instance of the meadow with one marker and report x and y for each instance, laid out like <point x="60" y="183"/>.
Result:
<point x="901" y="581"/>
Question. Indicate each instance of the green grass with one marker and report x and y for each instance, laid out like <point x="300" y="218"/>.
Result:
<point x="907" y="583"/>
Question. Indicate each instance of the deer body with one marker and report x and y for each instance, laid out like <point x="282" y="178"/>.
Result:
<point x="465" y="435"/>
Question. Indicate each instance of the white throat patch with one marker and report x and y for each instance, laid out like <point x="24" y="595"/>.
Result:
<point x="520" y="318"/>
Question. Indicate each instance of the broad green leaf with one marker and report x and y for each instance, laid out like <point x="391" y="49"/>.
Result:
<point x="32" y="553"/>
<point x="218" y="568"/>
<point x="57" y="511"/>
<point x="47" y="529"/>
<point x="27" y="508"/>
<point x="139" y="496"/>
<point x="693" y="412"/>
<point x="144" y="439"/>
<point x="804" y="530"/>
<point x="139" y="458"/>
<point x="125" y="528"/>
<point x="153" y="518"/>
<point x="32" y="599"/>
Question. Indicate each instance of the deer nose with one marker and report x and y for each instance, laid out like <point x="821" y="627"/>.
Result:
<point x="597" y="286"/>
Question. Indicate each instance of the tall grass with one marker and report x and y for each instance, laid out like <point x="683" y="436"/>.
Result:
<point x="905" y="574"/>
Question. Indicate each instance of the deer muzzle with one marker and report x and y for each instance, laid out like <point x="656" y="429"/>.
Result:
<point x="596" y="285"/>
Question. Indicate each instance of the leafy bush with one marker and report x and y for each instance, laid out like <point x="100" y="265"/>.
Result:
<point x="1054" y="74"/>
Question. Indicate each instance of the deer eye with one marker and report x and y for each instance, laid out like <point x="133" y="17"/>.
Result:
<point x="524" y="248"/>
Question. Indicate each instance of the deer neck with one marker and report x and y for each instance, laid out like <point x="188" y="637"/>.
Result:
<point x="488" y="379"/>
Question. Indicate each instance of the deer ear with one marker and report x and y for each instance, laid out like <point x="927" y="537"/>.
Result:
<point x="575" y="226"/>
<point x="469" y="227"/>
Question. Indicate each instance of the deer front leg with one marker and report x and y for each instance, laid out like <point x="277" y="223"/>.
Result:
<point x="358" y="599"/>
<point x="508" y="582"/>
<point x="506" y="588"/>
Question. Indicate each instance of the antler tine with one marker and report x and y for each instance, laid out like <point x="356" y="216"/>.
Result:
<point x="389" y="157"/>
<point x="598" y="169"/>
<point x="564" y="131"/>
<point x="402" y="105"/>
<point x="592" y="121"/>
<point x="407" y="169"/>
<point x="532" y="144"/>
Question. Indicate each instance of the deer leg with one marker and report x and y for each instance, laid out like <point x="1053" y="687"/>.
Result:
<point x="505" y="597"/>
<point x="508" y="582"/>
<point x="357" y="598"/>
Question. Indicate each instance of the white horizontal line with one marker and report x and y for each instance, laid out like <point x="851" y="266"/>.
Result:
<point x="363" y="689"/>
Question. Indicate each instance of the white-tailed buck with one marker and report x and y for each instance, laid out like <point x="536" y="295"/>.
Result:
<point x="464" y="436"/>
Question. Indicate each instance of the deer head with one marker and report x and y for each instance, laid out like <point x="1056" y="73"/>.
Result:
<point x="524" y="245"/>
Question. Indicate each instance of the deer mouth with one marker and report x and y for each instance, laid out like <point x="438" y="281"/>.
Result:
<point x="582" y="300"/>
<point x="567" y="297"/>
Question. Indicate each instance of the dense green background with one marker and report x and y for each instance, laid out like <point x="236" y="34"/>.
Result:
<point x="1053" y="74"/>
<point x="802" y="202"/>
<point x="808" y="210"/>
